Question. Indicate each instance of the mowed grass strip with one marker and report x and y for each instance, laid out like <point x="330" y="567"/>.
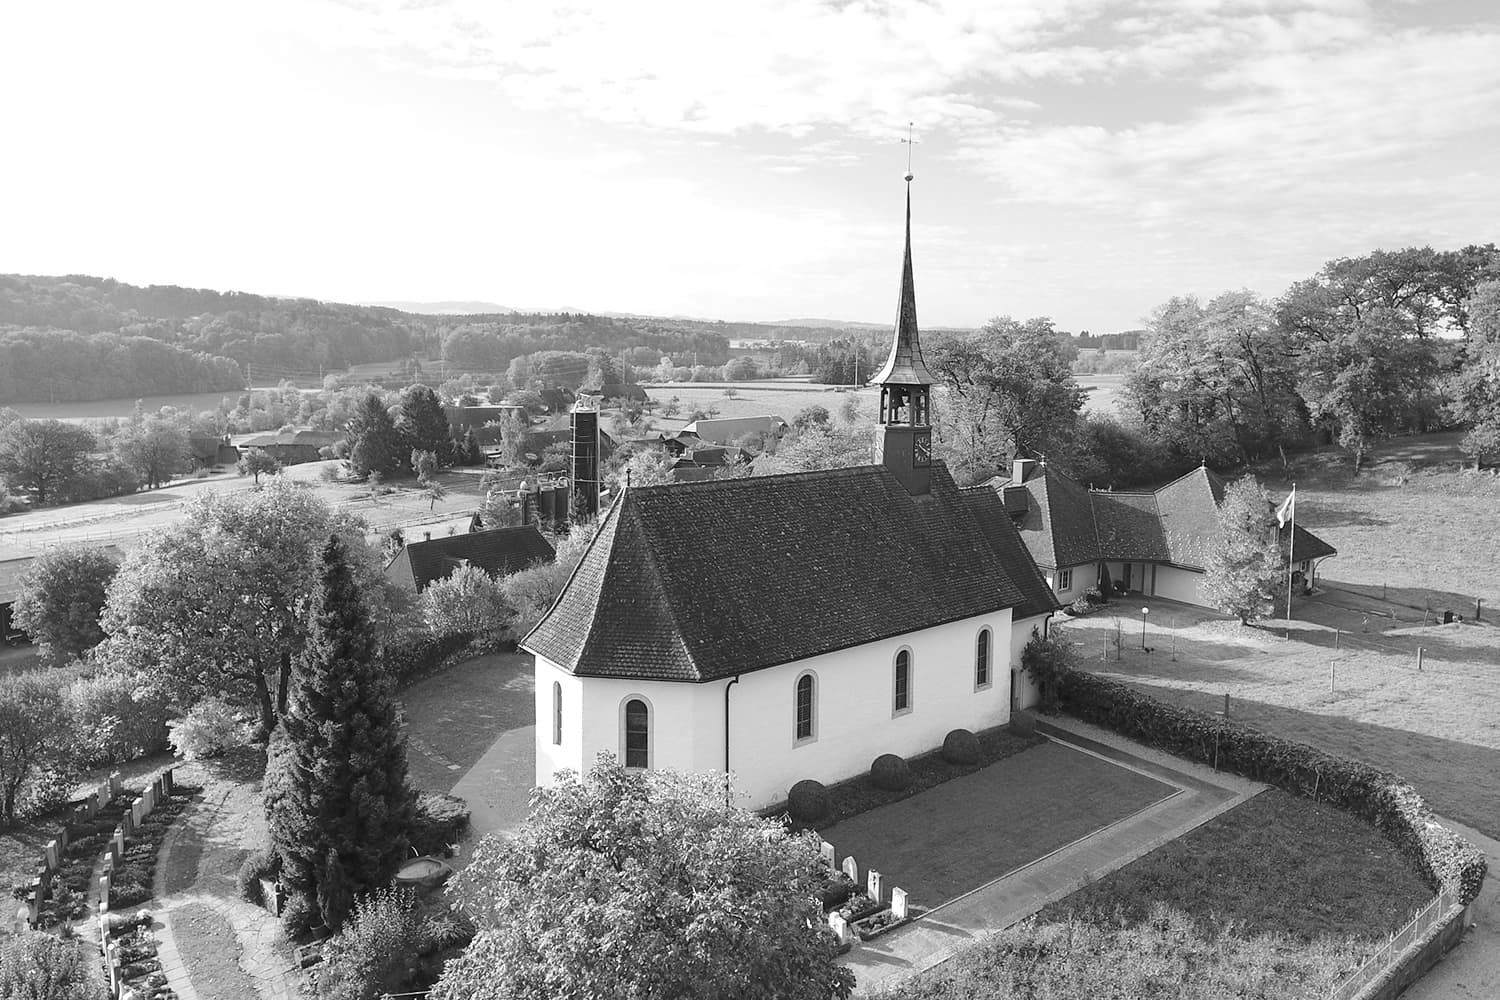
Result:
<point x="964" y="833"/>
<point x="1278" y="897"/>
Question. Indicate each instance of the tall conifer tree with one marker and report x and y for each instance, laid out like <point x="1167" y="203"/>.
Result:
<point x="336" y="794"/>
<point x="375" y="444"/>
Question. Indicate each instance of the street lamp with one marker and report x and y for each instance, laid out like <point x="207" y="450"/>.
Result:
<point x="1144" y="613"/>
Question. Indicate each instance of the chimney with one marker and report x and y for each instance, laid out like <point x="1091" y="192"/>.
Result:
<point x="1021" y="470"/>
<point x="426" y="536"/>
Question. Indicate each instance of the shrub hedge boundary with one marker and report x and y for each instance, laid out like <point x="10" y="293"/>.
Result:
<point x="1384" y="799"/>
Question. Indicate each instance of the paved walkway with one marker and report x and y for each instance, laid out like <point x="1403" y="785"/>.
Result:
<point x="1472" y="970"/>
<point x="212" y="944"/>
<point x="945" y="930"/>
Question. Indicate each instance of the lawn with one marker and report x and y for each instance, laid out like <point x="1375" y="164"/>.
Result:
<point x="778" y="397"/>
<point x="1410" y="523"/>
<point x="1278" y="897"/>
<point x="452" y="718"/>
<point x="1439" y="728"/>
<point x="967" y="832"/>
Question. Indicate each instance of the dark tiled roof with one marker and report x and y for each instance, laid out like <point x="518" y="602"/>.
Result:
<point x="499" y="552"/>
<point x="1190" y="515"/>
<point x="1129" y="526"/>
<point x="988" y="510"/>
<point x="1307" y="545"/>
<point x="700" y="581"/>
<point x="1058" y="524"/>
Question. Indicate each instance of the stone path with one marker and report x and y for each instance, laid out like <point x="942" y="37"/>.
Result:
<point x="201" y="920"/>
<point x="948" y="929"/>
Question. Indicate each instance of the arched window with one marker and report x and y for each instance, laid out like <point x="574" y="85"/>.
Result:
<point x="556" y="714"/>
<point x="901" y="701"/>
<point x="804" y="709"/>
<point x="637" y="734"/>
<point x="982" y="659"/>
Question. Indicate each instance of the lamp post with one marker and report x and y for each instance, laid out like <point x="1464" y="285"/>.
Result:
<point x="1144" y="613"/>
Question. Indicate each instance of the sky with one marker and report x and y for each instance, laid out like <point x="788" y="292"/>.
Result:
<point x="1079" y="159"/>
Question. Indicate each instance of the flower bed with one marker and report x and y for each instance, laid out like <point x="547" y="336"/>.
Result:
<point x="68" y="890"/>
<point x="857" y="907"/>
<point x="837" y="888"/>
<point x="871" y="927"/>
<point x="130" y="954"/>
<point x="134" y="874"/>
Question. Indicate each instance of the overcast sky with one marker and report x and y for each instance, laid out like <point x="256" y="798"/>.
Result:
<point x="1083" y="159"/>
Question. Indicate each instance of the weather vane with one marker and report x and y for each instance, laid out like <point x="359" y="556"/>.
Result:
<point x="910" y="142"/>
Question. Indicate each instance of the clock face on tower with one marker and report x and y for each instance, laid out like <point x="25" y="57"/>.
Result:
<point x="921" y="449"/>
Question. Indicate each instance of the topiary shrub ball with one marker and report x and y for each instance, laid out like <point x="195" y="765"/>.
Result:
<point x="961" y="747"/>
<point x="890" y="772"/>
<point x="808" y="801"/>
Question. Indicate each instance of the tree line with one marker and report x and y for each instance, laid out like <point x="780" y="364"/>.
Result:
<point x="50" y="365"/>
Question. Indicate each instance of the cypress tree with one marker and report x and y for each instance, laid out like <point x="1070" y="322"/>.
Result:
<point x="337" y="800"/>
<point x="375" y="445"/>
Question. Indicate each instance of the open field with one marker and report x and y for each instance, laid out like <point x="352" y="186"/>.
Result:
<point x="778" y="397"/>
<point x="193" y="402"/>
<point x="1410" y="522"/>
<point x="1440" y="727"/>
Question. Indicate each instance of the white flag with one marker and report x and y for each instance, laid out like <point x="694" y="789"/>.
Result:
<point x="1288" y="509"/>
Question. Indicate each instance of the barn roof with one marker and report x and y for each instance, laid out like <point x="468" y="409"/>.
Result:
<point x="499" y="552"/>
<point x="702" y="581"/>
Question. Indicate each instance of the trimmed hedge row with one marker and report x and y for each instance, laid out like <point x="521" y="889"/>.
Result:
<point x="1381" y="798"/>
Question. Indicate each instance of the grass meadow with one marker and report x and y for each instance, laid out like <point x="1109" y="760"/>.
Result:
<point x="1279" y="896"/>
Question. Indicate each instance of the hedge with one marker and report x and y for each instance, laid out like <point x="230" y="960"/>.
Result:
<point x="1381" y="798"/>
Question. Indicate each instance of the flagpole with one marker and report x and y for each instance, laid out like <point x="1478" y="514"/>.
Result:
<point x="1291" y="541"/>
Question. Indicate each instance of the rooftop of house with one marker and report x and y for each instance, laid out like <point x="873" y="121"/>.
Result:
<point x="498" y="551"/>
<point x="311" y="438"/>
<point x="703" y="581"/>
<point x="1065" y="524"/>
<point x="727" y="430"/>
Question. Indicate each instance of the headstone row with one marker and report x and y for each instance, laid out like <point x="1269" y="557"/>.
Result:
<point x="874" y="888"/>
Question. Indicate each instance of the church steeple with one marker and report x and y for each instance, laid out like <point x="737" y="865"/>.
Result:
<point x="905" y="444"/>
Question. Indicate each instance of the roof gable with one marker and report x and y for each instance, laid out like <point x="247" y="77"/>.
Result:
<point x="989" y="511"/>
<point x="698" y="581"/>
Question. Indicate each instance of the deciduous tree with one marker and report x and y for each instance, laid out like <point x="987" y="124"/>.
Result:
<point x="644" y="884"/>
<point x="337" y="800"/>
<point x="44" y="459"/>
<point x="1243" y="565"/>
<point x="62" y="596"/>
<point x="467" y="601"/>
<point x="215" y="604"/>
<point x="34" y="734"/>
<point x="155" y="445"/>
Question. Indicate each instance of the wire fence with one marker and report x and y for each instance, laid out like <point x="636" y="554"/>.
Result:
<point x="1425" y="919"/>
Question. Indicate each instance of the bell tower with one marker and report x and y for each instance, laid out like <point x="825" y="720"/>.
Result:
<point x="905" y="442"/>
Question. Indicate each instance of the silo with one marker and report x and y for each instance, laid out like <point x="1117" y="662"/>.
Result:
<point x="585" y="459"/>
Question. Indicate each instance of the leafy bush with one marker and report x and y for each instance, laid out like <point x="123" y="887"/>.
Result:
<point x="1080" y="606"/>
<point x="1379" y="797"/>
<point x="37" y="966"/>
<point x="300" y="915"/>
<point x="961" y="747"/>
<point x="439" y="820"/>
<point x="808" y="801"/>
<point x="373" y="953"/>
<point x="1045" y="659"/>
<point x="211" y="728"/>
<point x="118" y="715"/>
<point x="261" y="864"/>
<point x="890" y="772"/>
<point x="412" y="657"/>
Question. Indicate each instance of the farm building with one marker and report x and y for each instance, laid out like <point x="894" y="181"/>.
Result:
<point x="209" y="451"/>
<point x="1152" y="543"/>
<point x="499" y="552"/>
<point x="729" y="430"/>
<point x="794" y="626"/>
<point x="293" y="447"/>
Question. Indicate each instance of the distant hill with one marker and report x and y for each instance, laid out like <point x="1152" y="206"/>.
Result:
<point x="828" y="324"/>
<point x="446" y="308"/>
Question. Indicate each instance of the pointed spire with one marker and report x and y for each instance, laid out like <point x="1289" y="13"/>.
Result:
<point x="905" y="365"/>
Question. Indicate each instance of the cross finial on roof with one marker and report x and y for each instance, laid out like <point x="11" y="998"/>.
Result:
<point x="910" y="142"/>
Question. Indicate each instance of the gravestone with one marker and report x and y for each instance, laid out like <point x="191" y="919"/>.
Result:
<point x="105" y="881"/>
<point x="111" y="861"/>
<point x="851" y="869"/>
<point x="33" y="909"/>
<point x="90" y="806"/>
<point x="136" y="814"/>
<point x="840" y="928"/>
<point x="116" y="784"/>
<point x="166" y="782"/>
<point x="872" y="885"/>
<point x="827" y="851"/>
<point x="63" y="841"/>
<point x="119" y="842"/>
<point x="898" y="902"/>
<point x="54" y="855"/>
<point x="43" y="881"/>
<point x="127" y="826"/>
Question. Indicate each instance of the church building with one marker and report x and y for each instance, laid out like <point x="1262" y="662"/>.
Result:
<point x="794" y="626"/>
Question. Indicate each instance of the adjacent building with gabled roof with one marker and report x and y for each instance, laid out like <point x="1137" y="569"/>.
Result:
<point x="1153" y="543"/>
<point x="498" y="551"/>
<point x="794" y="626"/>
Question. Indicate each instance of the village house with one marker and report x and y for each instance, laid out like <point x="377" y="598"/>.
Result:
<point x="498" y="551"/>
<point x="1150" y="543"/>
<point x="293" y="447"/>
<point x="794" y="626"/>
